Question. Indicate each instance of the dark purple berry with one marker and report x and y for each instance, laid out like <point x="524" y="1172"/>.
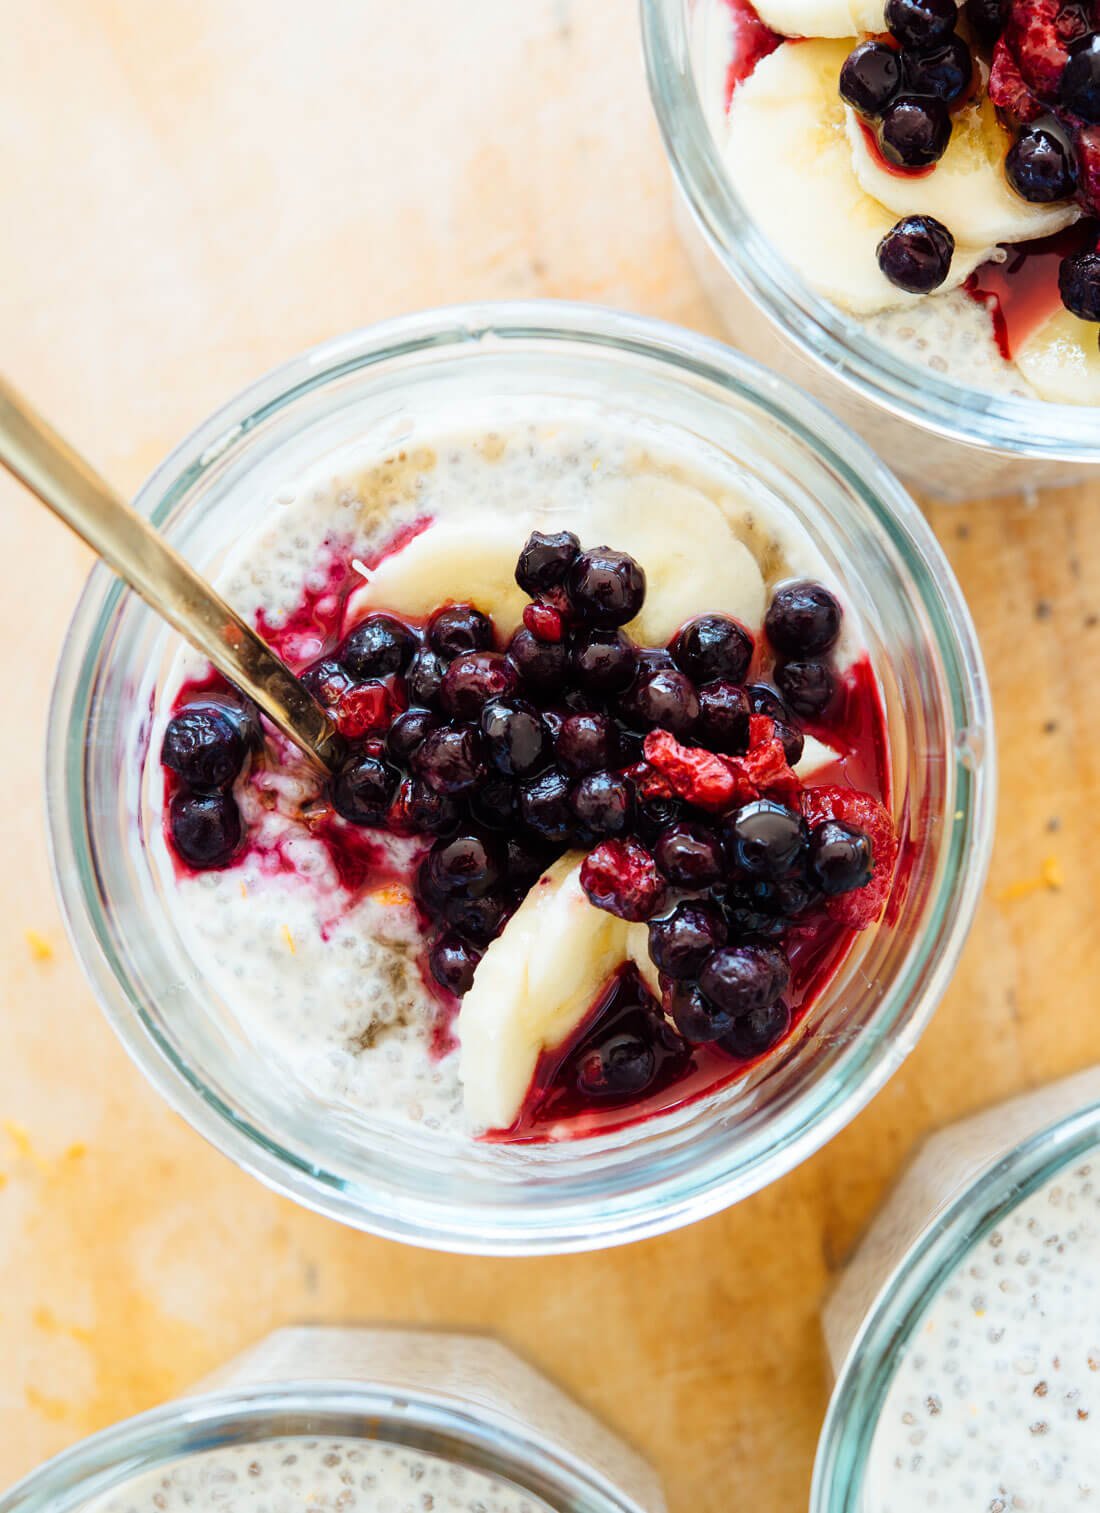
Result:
<point x="620" y="1066"/>
<point x="764" y="699"/>
<point x="653" y="816"/>
<point x="803" y="620"/>
<point x="457" y="628"/>
<point x="681" y="942"/>
<point x="407" y="732"/>
<point x="379" y="646"/>
<point x="424" y="678"/>
<point x="986" y="18"/>
<point x="666" y="700"/>
<point x="472" y="679"/>
<point x="1079" y="285"/>
<point x="713" y="646"/>
<point x="766" y="839"/>
<point x="793" y="742"/>
<point x="603" y="803"/>
<point x="450" y="760"/>
<point x="914" y="133"/>
<point x="363" y="791"/>
<point x="419" y="810"/>
<point x="739" y="979"/>
<point x="205" y="745"/>
<point x="757" y="1031"/>
<point x="328" y="681"/>
<point x="723" y="718"/>
<point x="1080" y="86"/>
<point x="453" y="962"/>
<point x="545" y="560"/>
<point x="840" y="858"/>
<point x="478" y="919"/>
<point x="493" y="805"/>
<point x="206" y="828"/>
<point x="870" y="77"/>
<point x="544" y="806"/>
<point x="587" y="743"/>
<point x="467" y="866"/>
<point x="689" y="854"/>
<point x="945" y="72"/>
<point x="921" y="23"/>
<point x="527" y="859"/>
<point x="606" y="587"/>
<point x="543" y="665"/>
<point x="603" y="660"/>
<point x="808" y="687"/>
<point x="697" y="1019"/>
<point x="516" y="740"/>
<point x="1039" y="168"/>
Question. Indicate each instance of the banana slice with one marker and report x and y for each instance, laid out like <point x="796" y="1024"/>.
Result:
<point x="789" y="158"/>
<point x="637" y="950"/>
<point x="1062" y="360"/>
<point x="816" y="756"/>
<point x="532" y="987"/>
<point x="822" y="18"/>
<point x="966" y="190"/>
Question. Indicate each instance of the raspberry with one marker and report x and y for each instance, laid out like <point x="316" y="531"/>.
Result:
<point x="1007" y="88"/>
<point x="1032" y="35"/>
<point x="859" y="810"/>
<point x="702" y="777"/>
<point x="1087" y="144"/>
<point x="621" y="877"/>
<point x="544" y="622"/>
<point x="649" y="783"/>
<point x="364" y="707"/>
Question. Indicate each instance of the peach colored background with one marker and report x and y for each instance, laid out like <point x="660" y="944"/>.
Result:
<point x="193" y="190"/>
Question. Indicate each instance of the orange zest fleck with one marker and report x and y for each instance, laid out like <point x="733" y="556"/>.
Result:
<point x="1050" y="877"/>
<point x="289" y="938"/>
<point x="39" y="946"/>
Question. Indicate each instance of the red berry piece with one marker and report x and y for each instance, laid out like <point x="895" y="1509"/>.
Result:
<point x="1087" y="146"/>
<point x="544" y="622"/>
<point x="621" y="877"/>
<point x="1008" y="89"/>
<point x="1032" y="35"/>
<point x="363" y="708"/>
<point x="701" y="777"/>
<point x="859" y="812"/>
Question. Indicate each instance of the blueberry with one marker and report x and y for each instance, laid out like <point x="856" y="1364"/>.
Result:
<point x="478" y="919"/>
<point x="619" y="1066"/>
<point x="206" y="828"/>
<point x="808" y="687"/>
<point x="603" y="660"/>
<point x="363" y="791"/>
<point x="921" y="23"/>
<point x="1039" y="168"/>
<point x="603" y="803"/>
<point x="782" y="898"/>
<point x="543" y="665"/>
<point x="545" y="560"/>
<point x="681" y="942"/>
<point x="764" y="699"/>
<point x="793" y="740"/>
<point x="803" y="620"/>
<point x="516" y="740"/>
<point x="587" y="743"/>
<point x="526" y="860"/>
<point x="450" y="760"/>
<point x="740" y="979"/>
<point x="943" y="72"/>
<point x="1080" y="86"/>
<point x="696" y="1018"/>
<point x="419" y="810"/>
<point x="870" y="77"/>
<point x="665" y="699"/>
<point x="606" y="587"/>
<point x="424" y="678"/>
<point x="756" y="1032"/>
<point x="467" y="866"/>
<point x="986" y="18"/>
<point x="407" y="732"/>
<point x="766" y="839"/>
<point x="689" y="854"/>
<point x="914" y="133"/>
<point x="472" y="679"/>
<point x="713" y="646"/>
<point x="453" y="962"/>
<point x="328" y="681"/>
<point x="205" y="745"/>
<point x="544" y="806"/>
<point x="915" y="254"/>
<point x="493" y="804"/>
<point x="653" y="816"/>
<point x="840" y="858"/>
<point x="457" y="628"/>
<point x="1079" y="284"/>
<point x="723" y="718"/>
<point x="379" y="646"/>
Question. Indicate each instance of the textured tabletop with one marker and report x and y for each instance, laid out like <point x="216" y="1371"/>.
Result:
<point x="194" y="191"/>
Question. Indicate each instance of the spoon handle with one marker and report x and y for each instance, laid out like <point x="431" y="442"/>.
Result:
<point x="71" y="488"/>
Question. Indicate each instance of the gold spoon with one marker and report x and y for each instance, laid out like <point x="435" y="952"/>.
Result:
<point x="71" y="488"/>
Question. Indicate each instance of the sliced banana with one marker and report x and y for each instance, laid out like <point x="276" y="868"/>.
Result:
<point x="637" y="950"/>
<point x="816" y="756"/>
<point x="532" y="988"/>
<point x="790" y="160"/>
<point x="822" y="18"/>
<point x="1061" y="360"/>
<point x="966" y="190"/>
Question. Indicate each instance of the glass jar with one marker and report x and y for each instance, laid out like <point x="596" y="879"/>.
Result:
<point x="394" y="382"/>
<point x="953" y="441"/>
<point x="962" y="1187"/>
<point x="452" y="1411"/>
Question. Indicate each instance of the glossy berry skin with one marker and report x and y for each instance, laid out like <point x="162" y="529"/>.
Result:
<point x="620" y="876"/>
<point x="1039" y="169"/>
<point x="424" y="678"/>
<point x="542" y="665"/>
<point x="379" y="646"/>
<point x="697" y="1019"/>
<point x="944" y="73"/>
<point x="803" y="620"/>
<point x="516" y="740"/>
<point x="689" y="855"/>
<point x="407" y="732"/>
<point x="681" y="942"/>
<point x="1079" y="285"/>
<point x="467" y="866"/>
<point x="723" y="723"/>
<point x="665" y="700"/>
<point x="603" y="661"/>
<point x="206" y="828"/>
<point x="419" y="810"/>
<point x="653" y="816"/>
<point x="450" y="760"/>
<point x="916" y="254"/>
<point x="713" y="646"/>
<point x="621" y="1066"/>
<point x="545" y="560"/>
<point x="453" y="962"/>
<point x="793" y="742"/>
<point x="603" y="803"/>
<point x="457" y="628"/>
<point x="766" y="839"/>
<point x="477" y="919"/>
<point x="914" y="133"/>
<point x="328" y="681"/>
<point x="764" y="699"/>
<point x="205" y="746"/>
<point x="472" y="679"/>
<point x="741" y="979"/>
<point x="494" y="805"/>
<point x="870" y="77"/>
<point x="841" y="858"/>
<point x="1080" y="86"/>
<point x="544" y="806"/>
<point x="758" y="1031"/>
<point x="808" y="687"/>
<point x="363" y="791"/>
<point x="526" y="858"/>
<point x="606" y="588"/>
<point x="921" y="23"/>
<point x="587" y="743"/>
<point x="986" y="18"/>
